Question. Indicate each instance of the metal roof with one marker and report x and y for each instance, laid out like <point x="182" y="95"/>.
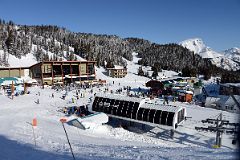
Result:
<point x="119" y="97"/>
<point x="162" y="107"/>
<point x="144" y="102"/>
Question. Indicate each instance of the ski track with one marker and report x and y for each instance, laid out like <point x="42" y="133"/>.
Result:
<point x="103" y="142"/>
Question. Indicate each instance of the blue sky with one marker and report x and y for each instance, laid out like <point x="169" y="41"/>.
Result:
<point x="217" y="22"/>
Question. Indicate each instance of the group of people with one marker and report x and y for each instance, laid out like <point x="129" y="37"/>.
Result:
<point x="76" y="110"/>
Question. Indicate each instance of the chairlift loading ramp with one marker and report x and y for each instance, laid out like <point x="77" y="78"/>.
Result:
<point x="138" y="110"/>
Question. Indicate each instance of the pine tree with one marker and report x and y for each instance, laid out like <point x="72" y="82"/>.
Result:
<point x="109" y="64"/>
<point x="10" y="41"/>
<point x="140" y="71"/>
<point x="155" y="74"/>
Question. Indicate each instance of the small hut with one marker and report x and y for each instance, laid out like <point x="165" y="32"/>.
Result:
<point x="185" y="96"/>
<point x="156" y="87"/>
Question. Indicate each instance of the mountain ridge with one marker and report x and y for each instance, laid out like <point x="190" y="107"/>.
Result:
<point x="221" y="59"/>
<point x="54" y="43"/>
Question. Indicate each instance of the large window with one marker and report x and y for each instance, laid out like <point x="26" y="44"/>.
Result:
<point x="180" y="116"/>
<point x="130" y="109"/>
<point x="57" y="70"/>
<point x="151" y="115"/>
<point x="75" y="70"/>
<point x="164" y="117"/>
<point x="145" y="114"/>
<point x="170" y="118"/>
<point x="140" y="114"/>
<point x="135" y="109"/>
<point x="157" y="117"/>
<point x="66" y="69"/>
<point x="90" y="68"/>
<point x="119" y="111"/>
<point x="47" y="68"/>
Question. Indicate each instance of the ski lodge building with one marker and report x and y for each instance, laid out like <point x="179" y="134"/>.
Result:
<point x="55" y="72"/>
<point x="14" y="72"/>
<point x="117" y="71"/>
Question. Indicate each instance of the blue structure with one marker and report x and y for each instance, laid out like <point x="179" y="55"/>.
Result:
<point x="8" y="79"/>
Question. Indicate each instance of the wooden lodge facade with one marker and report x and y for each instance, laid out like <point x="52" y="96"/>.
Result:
<point x="55" y="72"/>
<point x="52" y="72"/>
<point x="13" y="72"/>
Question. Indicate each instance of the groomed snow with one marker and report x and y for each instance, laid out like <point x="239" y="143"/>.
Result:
<point x="102" y="142"/>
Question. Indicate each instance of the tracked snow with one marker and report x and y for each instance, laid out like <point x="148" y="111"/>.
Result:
<point x="106" y="141"/>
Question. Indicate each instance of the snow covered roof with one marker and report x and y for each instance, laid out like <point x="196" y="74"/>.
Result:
<point x="119" y="97"/>
<point x="117" y="67"/>
<point x="189" y="92"/>
<point x="144" y="103"/>
<point x="222" y="100"/>
<point x="230" y="84"/>
<point x="168" y="108"/>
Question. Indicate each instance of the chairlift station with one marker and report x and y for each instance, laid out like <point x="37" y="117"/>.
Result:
<point x="139" y="110"/>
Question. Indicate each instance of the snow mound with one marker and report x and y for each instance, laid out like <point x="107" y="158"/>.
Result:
<point x="25" y="61"/>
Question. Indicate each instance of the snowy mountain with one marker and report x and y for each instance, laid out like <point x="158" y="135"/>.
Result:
<point x="233" y="53"/>
<point x="22" y="46"/>
<point x="229" y="60"/>
<point x="197" y="46"/>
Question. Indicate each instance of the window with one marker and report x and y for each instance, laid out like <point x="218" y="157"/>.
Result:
<point x="130" y="109"/>
<point x="180" y="116"/>
<point x="164" y="117"/>
<point x="91" y="78"/>
<point x="106" y="107"/>
<point x="145" y="114"/>
<point x="157" y="117"/>
<point x="151" y="115"/>
<point x="95" y="103"/>
<point x="115" y="109"/>
<point x="140" y="114"/>
<point x="170" y="118"/>
<point x="119" y="110"/>
<point x="90" y="68"/>
<point x="135" y="109"/>
<point x="124" y="109"/>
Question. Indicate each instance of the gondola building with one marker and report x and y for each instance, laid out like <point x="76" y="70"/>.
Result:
<point x="139" y="110"/>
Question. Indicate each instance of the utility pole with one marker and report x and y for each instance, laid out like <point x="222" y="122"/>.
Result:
<point x="12" y="89"/>
<point x="219" y="128"/>
<point x="219" y="132"/>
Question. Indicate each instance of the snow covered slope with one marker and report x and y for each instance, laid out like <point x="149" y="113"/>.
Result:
<point x="103" y="142"/>
<point x="29" y="59"/>
<point x="225" y="61"/>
